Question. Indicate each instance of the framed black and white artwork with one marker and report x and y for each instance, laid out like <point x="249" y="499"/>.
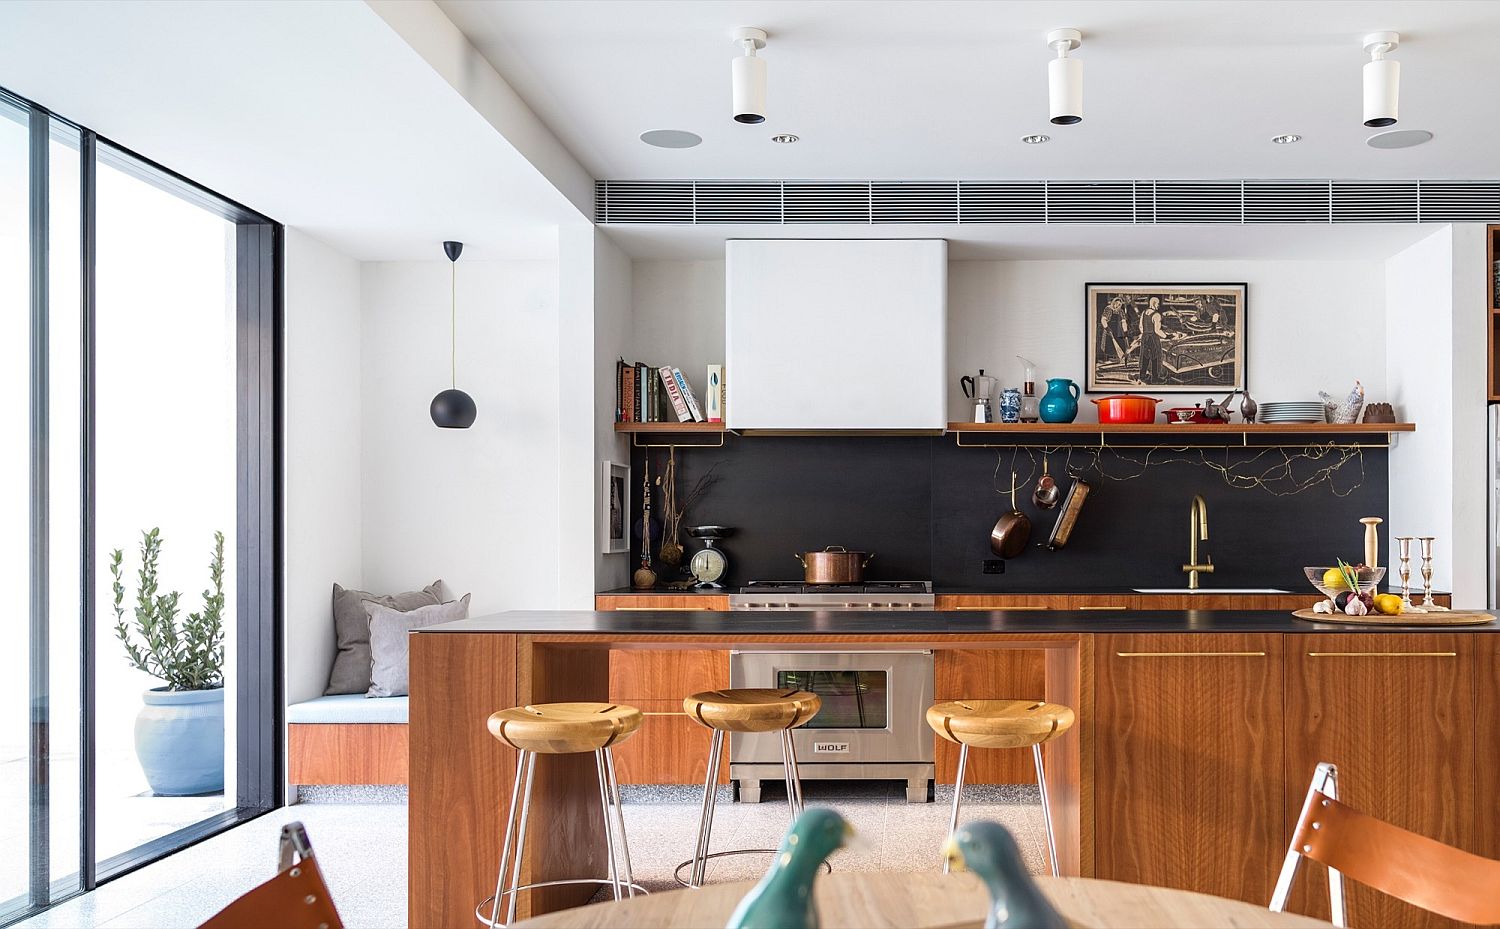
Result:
<point x="614" y="507"/>
<point x="1165" y="338"/>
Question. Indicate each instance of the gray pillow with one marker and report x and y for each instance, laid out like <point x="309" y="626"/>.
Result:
<point x="390" y="642"/>
<point x="351" y="666"/>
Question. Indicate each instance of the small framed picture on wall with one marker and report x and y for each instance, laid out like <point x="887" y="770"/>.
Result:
<point x="1165" y="338"/>
<point x="614" y="507"/>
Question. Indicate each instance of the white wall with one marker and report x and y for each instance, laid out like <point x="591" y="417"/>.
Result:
<point x="322" y="452"/>
<point x="1297" y="311"/>
<point x="614" y="336"/>
<point x="479" y="506"/>
<point x="1436" y="362"/>
<point x="1312" y="325"/>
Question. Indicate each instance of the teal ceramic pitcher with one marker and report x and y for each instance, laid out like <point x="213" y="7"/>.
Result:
<point x="1060" y="403"/>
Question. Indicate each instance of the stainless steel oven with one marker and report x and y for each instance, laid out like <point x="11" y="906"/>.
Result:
<point x="872" y="724"/>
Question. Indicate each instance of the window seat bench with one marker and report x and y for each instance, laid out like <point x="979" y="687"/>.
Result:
<point x="347" y="739"/>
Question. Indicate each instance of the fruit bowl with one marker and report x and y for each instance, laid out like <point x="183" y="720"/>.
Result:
<point x="1367" y="577"/>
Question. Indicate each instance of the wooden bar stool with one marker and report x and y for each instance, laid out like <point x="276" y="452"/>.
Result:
<point x="1001" y="724"/>
<point x="745" y="710"/>
<point x="561" y="729"/>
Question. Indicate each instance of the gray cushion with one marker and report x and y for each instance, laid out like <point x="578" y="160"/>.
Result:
<point x="390" y="641"/>
<point x="351" y="666"/>
<point x="348" y="708"/>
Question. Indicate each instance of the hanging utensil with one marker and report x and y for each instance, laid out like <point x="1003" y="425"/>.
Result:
<point x="1012" y="530"/>
<point x="1047" y="493"/>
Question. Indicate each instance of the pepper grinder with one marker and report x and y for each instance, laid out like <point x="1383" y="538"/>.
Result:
<point x="1372" y="543"/>
<point x="1404" y="543"/>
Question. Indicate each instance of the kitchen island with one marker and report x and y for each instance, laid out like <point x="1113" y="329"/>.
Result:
<point x="1196" y="737"/>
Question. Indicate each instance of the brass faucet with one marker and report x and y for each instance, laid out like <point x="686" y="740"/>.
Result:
<point x="1197" y="529"/>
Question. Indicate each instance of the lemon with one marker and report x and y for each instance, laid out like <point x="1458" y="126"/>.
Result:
<point x="1333" y="579"/>
<point x="1389" y="604"/>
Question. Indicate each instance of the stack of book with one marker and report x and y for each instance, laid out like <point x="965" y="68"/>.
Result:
<point x="661" y="394"/>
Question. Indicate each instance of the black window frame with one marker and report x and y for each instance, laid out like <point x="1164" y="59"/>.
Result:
<point x="259" y="697"/>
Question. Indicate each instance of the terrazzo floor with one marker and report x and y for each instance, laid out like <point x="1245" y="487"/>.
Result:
<point x="361" y="847"/>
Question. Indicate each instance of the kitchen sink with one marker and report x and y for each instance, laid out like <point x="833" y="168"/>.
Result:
<point x="1210" y="590"/>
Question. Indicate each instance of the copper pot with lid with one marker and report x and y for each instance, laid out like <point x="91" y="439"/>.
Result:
<point x="834" y="565"/>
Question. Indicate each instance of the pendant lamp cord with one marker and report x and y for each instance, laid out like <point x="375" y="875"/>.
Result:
<point x="453" y="322"/>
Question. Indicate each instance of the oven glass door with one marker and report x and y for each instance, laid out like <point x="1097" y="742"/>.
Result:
<point x="851" y="699"/>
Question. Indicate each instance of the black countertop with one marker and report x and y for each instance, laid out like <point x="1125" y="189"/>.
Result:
<point x="904" y="622"/>
<point x="1054" y="590"/>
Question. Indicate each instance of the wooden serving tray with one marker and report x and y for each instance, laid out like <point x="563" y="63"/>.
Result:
<point x="1441" y="618"/>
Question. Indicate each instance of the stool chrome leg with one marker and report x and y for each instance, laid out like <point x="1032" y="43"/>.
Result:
<point x="609" y="824"/>
<point x="958" y="792"/>
<point x="793" y="776"/>
<point x="528" y="760"/>
<point x="628" y="874"/>
<point x="706" y="821"/>
<point x="510" y="834"/>
<point x="1041" y="783"/>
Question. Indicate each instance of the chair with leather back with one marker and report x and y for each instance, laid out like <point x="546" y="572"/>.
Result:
<point x="296" y="898"/>
<point x="1410" y="867"/>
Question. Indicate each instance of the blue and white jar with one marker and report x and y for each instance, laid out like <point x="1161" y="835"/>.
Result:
<point x="1010" y="405"/>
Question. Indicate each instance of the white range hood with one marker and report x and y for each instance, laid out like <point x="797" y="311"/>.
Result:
<point x="836" y="335"/>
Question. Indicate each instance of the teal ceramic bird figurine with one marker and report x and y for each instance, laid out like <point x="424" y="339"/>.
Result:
<point x="1016" y="902"/>
<point x="783" y="899"/>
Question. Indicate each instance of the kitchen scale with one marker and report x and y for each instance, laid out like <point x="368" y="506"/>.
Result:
<point x="709" y="564"/>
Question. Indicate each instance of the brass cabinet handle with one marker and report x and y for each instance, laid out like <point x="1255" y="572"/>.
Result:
<point x="1008" y="609"/>
<point x="655" y="609"/>
<point x="1103" y="607"/>
<point x="1382" y="654"/>
<point x="1190" y="654"/>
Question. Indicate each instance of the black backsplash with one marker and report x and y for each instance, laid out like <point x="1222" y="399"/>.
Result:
<point x="925" y="507"/>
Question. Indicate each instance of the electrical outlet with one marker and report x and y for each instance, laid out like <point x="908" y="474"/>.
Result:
<point x="993" y="565"/>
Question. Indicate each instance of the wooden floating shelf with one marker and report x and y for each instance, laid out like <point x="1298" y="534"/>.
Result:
<point x="665" y="428"/>
<point x="1268" y="429"/>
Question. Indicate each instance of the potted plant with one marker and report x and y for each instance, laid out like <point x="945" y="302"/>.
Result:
<point x="179" y="733"/>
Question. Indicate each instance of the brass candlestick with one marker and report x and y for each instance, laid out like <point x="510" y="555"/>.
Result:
<point x="1404" y="542"/>
<point x="1372" y="544"/>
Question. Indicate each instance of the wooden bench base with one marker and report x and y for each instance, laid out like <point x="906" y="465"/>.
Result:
<point x="346" y="753"/>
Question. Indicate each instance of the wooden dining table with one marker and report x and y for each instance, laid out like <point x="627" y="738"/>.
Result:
<point x="885" y="900"/>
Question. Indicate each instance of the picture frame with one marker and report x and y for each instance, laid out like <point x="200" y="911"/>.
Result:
<point x="1165" y="338"/>
<point x="614" y="507"/>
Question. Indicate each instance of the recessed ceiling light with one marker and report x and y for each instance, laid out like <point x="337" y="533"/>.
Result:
<point x="671" y="138"/>
<point x="784" y="138"/>
<point x="1399" y="138"/>
<point x="1036" y="139"/>
<point x="1286" y="138"/>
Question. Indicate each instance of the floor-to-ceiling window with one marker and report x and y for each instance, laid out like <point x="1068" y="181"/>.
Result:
<point x="138" y="527"/>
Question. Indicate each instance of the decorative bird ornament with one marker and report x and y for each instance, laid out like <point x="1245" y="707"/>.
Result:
<point x="990" y="851"/>
<point x="783" y="899"/>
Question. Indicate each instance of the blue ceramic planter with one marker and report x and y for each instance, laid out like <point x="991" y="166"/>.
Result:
<point x="1060" y="403"/>
<point x="179" y="740"/>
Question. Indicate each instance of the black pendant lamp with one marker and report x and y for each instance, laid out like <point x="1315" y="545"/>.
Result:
<point x="453" y="409"/>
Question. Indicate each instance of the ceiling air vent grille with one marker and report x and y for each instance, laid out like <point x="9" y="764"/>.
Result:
<point x="1286" y="201"/>
<point x="1199" y="202"/>
<point x="1143" y="201"/>
<point x="1459" y="201"/>
<point x="738" y="202"/>
<point x="810" y="202"/>
<point x="1091" y="202"/>
<point x="913" y="202"/>
<point x="1002" y="202"/>
<point x="647" y="202"/>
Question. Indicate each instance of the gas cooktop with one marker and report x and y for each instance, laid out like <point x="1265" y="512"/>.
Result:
<point x="868" y="595"/>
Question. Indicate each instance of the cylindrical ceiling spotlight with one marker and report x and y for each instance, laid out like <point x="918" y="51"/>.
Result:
<point x="1065" y="78"/>
<point x="1382" y="80"/>
<point x="748" y="76"/>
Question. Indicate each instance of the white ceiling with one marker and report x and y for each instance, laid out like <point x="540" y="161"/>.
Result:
<point x="1307" y="242"/>
<point x="942" y="89"/>
<point x="314" y="113"/>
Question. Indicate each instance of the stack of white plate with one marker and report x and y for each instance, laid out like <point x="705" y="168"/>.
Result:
<point x="1299" y="412"/>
